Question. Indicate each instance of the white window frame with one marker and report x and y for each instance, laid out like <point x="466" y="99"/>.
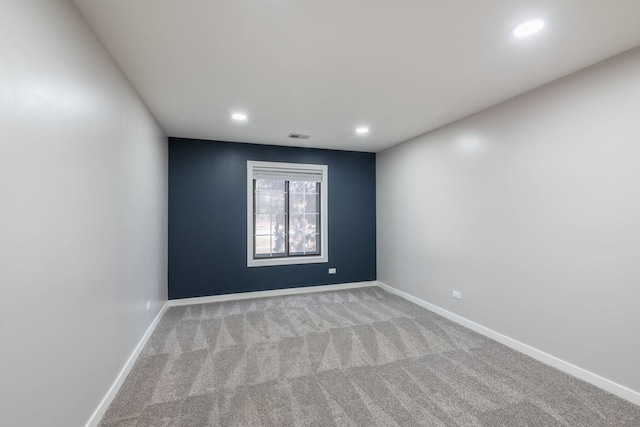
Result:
<point x="324" y="216"/>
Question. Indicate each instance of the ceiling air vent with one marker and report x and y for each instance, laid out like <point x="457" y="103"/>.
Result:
<point x="299" y="136"/>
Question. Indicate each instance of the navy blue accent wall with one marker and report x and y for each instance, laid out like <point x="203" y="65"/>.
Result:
<point x="208" y="224"/>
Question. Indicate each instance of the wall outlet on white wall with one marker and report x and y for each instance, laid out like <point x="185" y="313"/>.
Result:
<point x="457" y="295"/>
<point x="148" y="305"/>
<point x="333" y="270"/>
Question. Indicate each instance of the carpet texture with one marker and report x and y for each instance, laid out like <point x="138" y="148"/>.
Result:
<point x="359" y="357"/>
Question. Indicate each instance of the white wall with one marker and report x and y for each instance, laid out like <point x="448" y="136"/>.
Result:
<point x="83" y="213"/>
<point x="532" y="210"/>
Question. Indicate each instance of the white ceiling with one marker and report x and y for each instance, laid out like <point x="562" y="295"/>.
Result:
<point x="401" y="67"/>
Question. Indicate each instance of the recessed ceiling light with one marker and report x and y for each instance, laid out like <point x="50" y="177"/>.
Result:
<point x="528" y="28"/>
<point x="362" y="130"/>
<point x="239" y="117"/>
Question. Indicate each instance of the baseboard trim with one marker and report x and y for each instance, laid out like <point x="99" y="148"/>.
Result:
<point x="273" y="293"/>
<point x="598" y="381"/>
<point x="95" y="418"/>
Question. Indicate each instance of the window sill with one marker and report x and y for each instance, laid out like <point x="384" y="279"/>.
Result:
<point x="266" y="262"/>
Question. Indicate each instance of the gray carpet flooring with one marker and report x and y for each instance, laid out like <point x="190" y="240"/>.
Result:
<point x="360" y="357"/>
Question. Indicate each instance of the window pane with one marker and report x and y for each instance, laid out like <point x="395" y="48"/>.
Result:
<point x="263" y="225"/>
<point x="296" y="203"/>
<point x="269" y="185"/>
<point x="278" y="227"/>
<point x="270" y="202"/>
<point x="270" y="234"/>
<point x="311" y="187"/>
<point x="304" y="244"/>
<point x="310" y="243"/>
<point x="303" y="197"/>
<point x="270" y="217"/>
<point x="267" y="246"/>
<point x="303" y="224"/>
<point x="311" y="223"/>
<point x="311" y="203"/>
<point x="297" y="186"/>
<point x="269" y="196"/>
<point x="303" y="237"/>
<point x="263" y="245"/>
<point x="296" y="224"/>
<point x="308" y="187"/>
<point x="296" y="243"/>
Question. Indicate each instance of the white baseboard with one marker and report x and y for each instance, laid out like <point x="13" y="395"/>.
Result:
<point x="598" y="381"/>
<point x="273" y="293"/>
<point x="95" y="418"/>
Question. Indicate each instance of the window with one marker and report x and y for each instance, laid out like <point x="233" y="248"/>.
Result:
<point x="286" y="213"/>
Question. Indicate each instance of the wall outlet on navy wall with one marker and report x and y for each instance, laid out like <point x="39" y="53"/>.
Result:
<point x="333" y="271"/>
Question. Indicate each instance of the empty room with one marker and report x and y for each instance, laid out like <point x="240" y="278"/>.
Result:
<point x="319" y="213"/>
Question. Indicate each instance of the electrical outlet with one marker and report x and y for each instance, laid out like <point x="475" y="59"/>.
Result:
<point x="148" y="305"/>
<point x="333" y="270"/>
<point x="457" y="295"/>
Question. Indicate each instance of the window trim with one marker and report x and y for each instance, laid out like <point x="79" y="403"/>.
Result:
<point x="324" y="217"/>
